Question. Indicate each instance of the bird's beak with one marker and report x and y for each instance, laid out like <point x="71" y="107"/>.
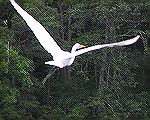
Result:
<point x="82" y="46"/>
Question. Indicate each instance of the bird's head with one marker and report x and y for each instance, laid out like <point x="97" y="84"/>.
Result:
<point x="76" y="47"/>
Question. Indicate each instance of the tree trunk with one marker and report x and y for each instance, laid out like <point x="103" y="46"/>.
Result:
<point x="69" y="26"/>
<point x="62" y="21"/>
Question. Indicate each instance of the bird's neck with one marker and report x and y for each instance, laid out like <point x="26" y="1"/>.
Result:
<point x="73" y="50"/>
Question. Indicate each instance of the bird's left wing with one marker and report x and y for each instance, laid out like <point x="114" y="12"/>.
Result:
<point x="39" y="31"/>
<point x="123" y="43"/>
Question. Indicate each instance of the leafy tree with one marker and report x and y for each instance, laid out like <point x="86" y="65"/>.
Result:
<point x="110" y="83"/>
<point x="14" y="74"/>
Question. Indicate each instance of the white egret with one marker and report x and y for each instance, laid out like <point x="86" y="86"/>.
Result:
<point x="60" y="58"/>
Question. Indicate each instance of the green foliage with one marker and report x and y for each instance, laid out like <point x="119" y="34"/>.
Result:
<point x="8" y="94"/>
<point x="77" y="113"/>
<point x="14" y="70"/>
<point x="19" y="67"/>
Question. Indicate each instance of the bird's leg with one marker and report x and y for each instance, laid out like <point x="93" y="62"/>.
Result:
<point x="49" y="74"/>
<point x="51" y="69"/>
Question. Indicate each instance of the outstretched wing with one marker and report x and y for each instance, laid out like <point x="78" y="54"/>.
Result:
<point x="39" y="31"/>
<point x="123" y="43"/>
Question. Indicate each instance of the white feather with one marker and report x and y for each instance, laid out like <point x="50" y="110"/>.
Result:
<point x="123" y="43"/>
<point x="39" y="31"/>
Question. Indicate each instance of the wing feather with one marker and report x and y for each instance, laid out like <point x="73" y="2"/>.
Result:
<point x="123" y="43"/>
<point x="39" y="31"/>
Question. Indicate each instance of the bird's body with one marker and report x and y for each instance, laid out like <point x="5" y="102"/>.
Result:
<point x="60" y="58"/>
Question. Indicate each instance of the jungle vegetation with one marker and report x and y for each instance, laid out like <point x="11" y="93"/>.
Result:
<point x="107" y="84"/>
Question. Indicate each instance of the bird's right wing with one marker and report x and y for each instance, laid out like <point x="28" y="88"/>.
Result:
<point x="39" y="31"/>
<point x="123" y="43"/>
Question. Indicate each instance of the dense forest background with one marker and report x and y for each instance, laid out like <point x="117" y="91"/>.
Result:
<point x="107" y="84"/>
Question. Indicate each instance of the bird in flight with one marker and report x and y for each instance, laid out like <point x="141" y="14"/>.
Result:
<point x="61" y="58"/>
